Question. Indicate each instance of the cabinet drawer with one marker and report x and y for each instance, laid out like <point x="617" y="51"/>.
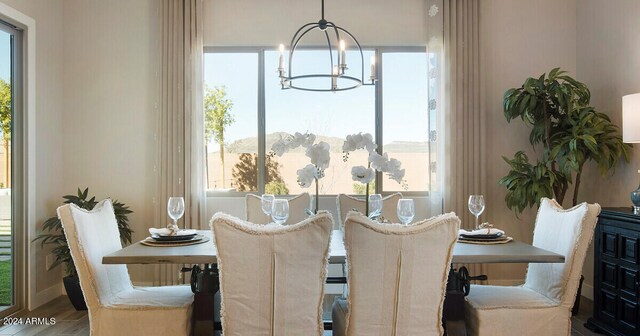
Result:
<point x="628" y="281"/>
<point x="628" y="248"/>
<point x="609" y="244"/>
<point x="609" y="275"/>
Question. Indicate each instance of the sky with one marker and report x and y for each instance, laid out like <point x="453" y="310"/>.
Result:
<point x="335" y="114"/>
<point x="5" y="52"/>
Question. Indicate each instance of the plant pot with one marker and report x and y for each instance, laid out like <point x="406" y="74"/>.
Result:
<point x="72" y="286"/>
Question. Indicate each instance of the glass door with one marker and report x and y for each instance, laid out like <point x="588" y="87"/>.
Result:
<point x="11" y="288"/>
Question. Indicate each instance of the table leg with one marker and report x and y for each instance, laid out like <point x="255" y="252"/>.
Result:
<point x="204" y="284"/>
<point x="453" y="310"/>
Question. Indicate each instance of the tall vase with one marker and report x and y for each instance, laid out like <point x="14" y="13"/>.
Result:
<point x="366" y="200"/>
<point x="317" y="205"/>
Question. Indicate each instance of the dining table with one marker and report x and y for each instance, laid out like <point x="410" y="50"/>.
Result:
<point x="205" y="282"/>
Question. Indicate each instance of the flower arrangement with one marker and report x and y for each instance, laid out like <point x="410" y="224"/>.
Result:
<point x="376" y="163"/>
<point x="318" y="153"/>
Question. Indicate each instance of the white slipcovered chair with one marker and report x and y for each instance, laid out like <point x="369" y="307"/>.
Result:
<point x="542" y="305"/>
<point x="347" y="203"/>
<point x="397" y="276"/>
<point x="297" y="206"/>
<point x="272" y="276"/>
<point x="116" y="307"/>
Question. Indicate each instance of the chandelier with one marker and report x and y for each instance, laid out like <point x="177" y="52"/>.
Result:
<point x="335" y="78"/>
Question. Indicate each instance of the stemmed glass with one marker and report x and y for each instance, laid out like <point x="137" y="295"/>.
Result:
<point x="406" y="210"/>
<point x="175" y="209"/>
<point x="375" y="205"/>
<point x="280" y="211"/>
<point x="476" y="206"/>
<point x="267" y="203"/>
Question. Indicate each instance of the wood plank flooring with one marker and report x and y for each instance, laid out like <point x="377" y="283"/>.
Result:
<point x="68" y="321"/>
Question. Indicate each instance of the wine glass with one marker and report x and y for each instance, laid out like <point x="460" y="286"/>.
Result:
<point x="267" y="203"/>
<point x="476" y="206"/>
<point x="175" y="208"/>
<point x="375" y="205"/>
<point x="280" y="211"/>
<point x="406" y="210"/>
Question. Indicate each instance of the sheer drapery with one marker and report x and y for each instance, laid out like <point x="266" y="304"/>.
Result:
<point x="453" y="35"/>
<point x="180" y="126"/>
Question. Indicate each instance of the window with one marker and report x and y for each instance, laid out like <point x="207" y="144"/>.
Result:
<point x="259" y="113"/>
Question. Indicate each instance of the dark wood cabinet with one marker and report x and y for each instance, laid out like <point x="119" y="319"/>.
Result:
<point x="616" y="309"/>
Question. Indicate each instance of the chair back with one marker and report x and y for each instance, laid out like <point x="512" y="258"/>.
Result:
<point x="398" y="274"/>
<point x="347" y="203"/>
<point x="92" y="235"/>
<point x="272" y="276"/>
<point x="566" y="232"/>
<point x="297" y="206"/>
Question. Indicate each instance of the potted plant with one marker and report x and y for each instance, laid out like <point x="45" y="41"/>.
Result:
<point x="571" y="133"/>
<point x="53" y="234"/>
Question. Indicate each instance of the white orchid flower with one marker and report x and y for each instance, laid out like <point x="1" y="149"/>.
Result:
<point x="362" y="174"/>
<point x="307" y="175"/>
<point x="379" y="162"/>
<point x="280" y="147"/>
<point x="319" y="155"/>
<point x="396" y="175"/>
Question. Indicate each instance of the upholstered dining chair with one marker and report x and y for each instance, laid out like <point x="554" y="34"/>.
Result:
<point x="297" y="206"/>
<point x="272" y="276"/>
<point x="542" y="305"/>
<point x="116" y="307"/>
<point x="347" y="203"/>
<point x="397" y="276"/>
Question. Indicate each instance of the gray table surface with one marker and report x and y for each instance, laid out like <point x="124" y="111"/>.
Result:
<point x="512" y="252"/>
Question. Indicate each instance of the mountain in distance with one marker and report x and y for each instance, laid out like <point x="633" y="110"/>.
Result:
<point x="250" y="145"/>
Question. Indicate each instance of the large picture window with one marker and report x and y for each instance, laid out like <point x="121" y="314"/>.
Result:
<point x="246" y="111"/>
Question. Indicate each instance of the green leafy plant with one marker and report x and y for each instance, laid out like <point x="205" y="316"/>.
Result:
<point x="53" y="234"/>
<point x="571" y="133"/>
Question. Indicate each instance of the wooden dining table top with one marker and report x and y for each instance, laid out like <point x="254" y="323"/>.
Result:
<point x="205" y="253"/>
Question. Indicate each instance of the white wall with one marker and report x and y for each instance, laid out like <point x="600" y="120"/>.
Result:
<point x="608" y="61"/>
<point x="111" y="60"/>
<point x="49" y="107"/>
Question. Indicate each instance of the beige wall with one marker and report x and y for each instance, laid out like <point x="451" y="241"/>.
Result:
<point x="111" y="60"/>
<point x="48" y="17"/>
<point x="518" y="39"/>
<point x="608" y="61"/>
<point x="269" y="23"/>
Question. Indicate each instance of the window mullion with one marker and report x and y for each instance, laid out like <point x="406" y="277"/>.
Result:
<point x="378" y="115"/>
<point x="261" y="124"/>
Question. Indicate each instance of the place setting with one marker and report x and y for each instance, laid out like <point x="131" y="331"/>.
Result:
<point x="485" y="233"/>
<point x="172" y="235"/>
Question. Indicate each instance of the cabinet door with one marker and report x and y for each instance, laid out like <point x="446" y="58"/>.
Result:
<point x="629" y="247"/>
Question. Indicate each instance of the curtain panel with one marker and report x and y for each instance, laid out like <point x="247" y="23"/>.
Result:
<point x="453" y="32"/>
<point x="180" y="135"/>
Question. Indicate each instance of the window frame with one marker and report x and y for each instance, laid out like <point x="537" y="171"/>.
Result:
<point x="261" y="111"/>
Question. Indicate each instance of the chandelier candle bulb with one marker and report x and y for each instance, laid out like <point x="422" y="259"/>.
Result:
<point x="343" y="55"/>
<point x="334" y="78"/>
<point x="281" y="65"/>
<point x="372" y="76"/>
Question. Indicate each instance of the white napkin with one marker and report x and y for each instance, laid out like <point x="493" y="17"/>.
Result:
<point x="168" y="232"/>
<point x="483" y="231"/>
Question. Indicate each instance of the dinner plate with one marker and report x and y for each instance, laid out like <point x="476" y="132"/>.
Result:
<point x="482" y="236"/>
<point x="186" y="237"/>
<point x="482" y="239"/>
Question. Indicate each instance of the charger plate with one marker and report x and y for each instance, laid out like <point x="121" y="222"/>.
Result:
<point x="199" y="239"/>
<point x="501" y="240"/>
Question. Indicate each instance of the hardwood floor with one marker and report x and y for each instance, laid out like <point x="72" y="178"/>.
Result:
<point x="68" y="321"/>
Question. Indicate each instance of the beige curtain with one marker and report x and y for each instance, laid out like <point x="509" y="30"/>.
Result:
<point x="180" y="138"/>
<point x="464" y="126"/>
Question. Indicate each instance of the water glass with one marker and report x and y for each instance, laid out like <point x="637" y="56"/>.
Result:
<point x="406" y="210"/>
<point x="175" y="208"/>
<point x="476" y="206"/>
<point x="267" y="203"/>
<point x="375" y="205"/>
<point x="280" y="211"/>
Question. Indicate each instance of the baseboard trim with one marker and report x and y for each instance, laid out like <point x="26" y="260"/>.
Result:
<point x="587" y="291"/>
<point x="46" y="295"/>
